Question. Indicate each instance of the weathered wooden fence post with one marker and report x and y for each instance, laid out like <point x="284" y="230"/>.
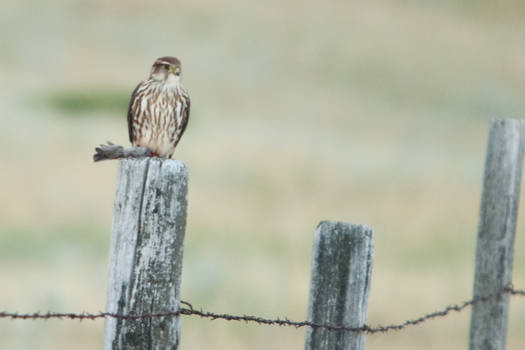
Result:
<point x="496" y="231"/>
<point x="340" y="284"/>
<point x="146" y="253"/>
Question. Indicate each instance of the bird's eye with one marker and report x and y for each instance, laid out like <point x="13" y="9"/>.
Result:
<point x="167" y="66"/>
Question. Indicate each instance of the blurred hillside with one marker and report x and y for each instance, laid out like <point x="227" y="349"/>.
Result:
<point x="373" y="112"/>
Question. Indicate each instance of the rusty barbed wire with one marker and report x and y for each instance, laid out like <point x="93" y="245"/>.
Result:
<point x="189" y="311"/>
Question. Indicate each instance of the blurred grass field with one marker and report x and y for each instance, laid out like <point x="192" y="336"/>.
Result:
<point x="373" y="112"/>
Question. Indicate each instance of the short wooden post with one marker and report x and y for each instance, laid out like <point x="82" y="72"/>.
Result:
<point x="496" y="231"/>
<point x="146" y="253"/>
<point x="340" y="285"/>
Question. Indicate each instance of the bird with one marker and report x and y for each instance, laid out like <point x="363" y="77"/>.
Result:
<point x="159" y="109"/>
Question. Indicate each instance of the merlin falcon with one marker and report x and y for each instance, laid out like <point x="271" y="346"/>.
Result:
<point x="159" y="109"/>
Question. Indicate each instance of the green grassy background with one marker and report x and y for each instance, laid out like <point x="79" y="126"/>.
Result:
<point x="372" y="112"/>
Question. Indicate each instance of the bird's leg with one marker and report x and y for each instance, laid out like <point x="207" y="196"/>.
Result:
<point x="154" y="154"/>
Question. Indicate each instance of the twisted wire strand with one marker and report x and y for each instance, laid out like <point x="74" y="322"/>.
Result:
<point x="188" y="310"/>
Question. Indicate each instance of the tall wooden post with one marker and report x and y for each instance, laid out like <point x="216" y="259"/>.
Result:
<point x="146" y="253"/>
<point x="340" y="285"/>
<point x="496" y="231"/>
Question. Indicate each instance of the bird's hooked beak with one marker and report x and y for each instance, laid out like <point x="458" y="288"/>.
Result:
<point x="175" y="70"/>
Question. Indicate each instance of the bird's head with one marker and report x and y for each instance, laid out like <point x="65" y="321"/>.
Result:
<point x="166" y="69"/>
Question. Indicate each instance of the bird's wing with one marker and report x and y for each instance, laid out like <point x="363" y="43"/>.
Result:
<point x="130" y="112"/>
<point x="185" y="115"/>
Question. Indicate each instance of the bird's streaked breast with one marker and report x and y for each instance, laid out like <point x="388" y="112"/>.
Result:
<point x="158" y="110"/>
